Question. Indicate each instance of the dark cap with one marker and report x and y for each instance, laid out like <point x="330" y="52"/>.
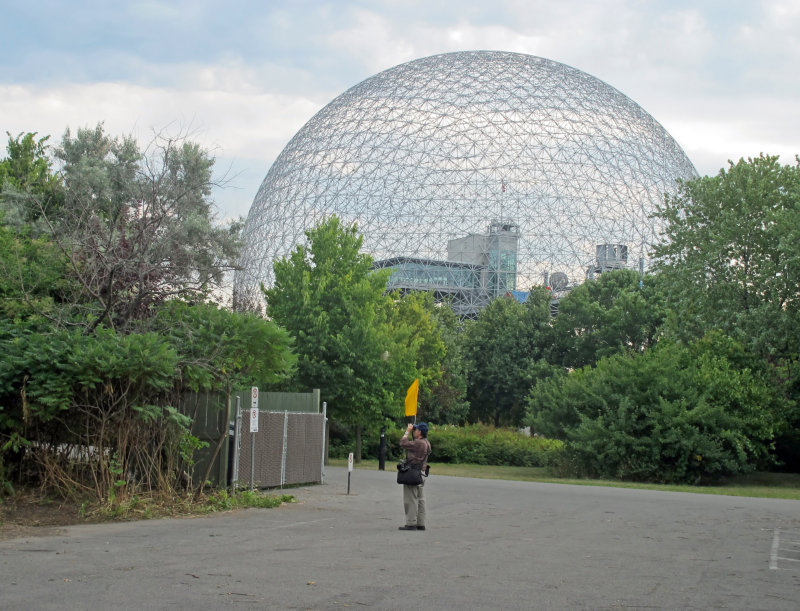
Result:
<point x="423" y="427"/>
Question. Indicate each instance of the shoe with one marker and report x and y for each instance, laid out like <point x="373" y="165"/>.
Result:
<point x="420" y="527"/>
<point x="407" y="527"/>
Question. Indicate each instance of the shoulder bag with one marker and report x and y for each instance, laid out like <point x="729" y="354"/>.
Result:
<point x="410" y="474"/>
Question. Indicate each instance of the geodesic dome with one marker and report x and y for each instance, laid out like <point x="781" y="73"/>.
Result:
<point x="441" y="147"/>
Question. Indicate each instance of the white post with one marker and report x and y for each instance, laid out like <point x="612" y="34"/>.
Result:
<point x="252" y="461"/>
<point x="324" y="424"/>
<point x="253" y="431"/>
<point x="237" y="435"/>
<point x="349" y="470"/>
<point x="285" y="441"/>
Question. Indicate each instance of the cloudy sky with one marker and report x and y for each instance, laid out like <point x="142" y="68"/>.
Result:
<point x="242" y="77"/>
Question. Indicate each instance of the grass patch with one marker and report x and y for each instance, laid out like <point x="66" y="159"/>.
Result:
<point x="155" y="506"/>
<point x="763" y="485"/>
<point x="223" y="501"/>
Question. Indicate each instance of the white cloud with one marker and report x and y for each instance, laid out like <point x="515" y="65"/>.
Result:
<point x="242" y="124"/>
<point x="372" y="40"/>
<point x="713" y="129"/>
<point x="245" y="130"/>
<point x="721" y="79"/>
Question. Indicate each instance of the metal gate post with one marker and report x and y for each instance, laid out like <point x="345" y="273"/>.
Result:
<point x="285" y="440"/>
<point x="237" y="442"/>
<point x="324" y="426"/>
<point x="252" y="461"/>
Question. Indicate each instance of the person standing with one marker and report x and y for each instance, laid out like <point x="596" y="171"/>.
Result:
<point x="417" y="449"/>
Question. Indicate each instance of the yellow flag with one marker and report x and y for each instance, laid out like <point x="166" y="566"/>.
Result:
<point x="411" y="398"/>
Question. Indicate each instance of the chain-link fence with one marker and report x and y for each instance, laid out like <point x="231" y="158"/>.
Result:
<point x="288" y="448"/>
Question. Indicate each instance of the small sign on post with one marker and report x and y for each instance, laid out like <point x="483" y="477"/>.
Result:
<point x="349" y="470"/>
<point x="253" y="429"/>
<point x="254" y="410"/>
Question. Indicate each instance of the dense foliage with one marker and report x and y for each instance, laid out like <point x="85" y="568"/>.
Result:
<point x="91" y="409"/>
<point x="673" y="414"/>
<point x="106" y="269"/>
<point x="504" y="350"/>
<point x="730" y="256"/>
<point x="361" y="347"/>
<point x="620" y="312"/>
<point x="487" y="445"/>
<point x="110" y="266"/>
<point x="699" y="378"/>
<point x="730" y="261"/>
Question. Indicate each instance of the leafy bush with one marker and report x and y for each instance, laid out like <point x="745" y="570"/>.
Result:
<point x="471" y="444"/>
<point x="93" y="409"/>
<point x="487" y="445"/>
<point x="673" y="414"/>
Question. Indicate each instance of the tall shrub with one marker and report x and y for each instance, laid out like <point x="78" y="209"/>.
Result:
<point x="671" y="414"/>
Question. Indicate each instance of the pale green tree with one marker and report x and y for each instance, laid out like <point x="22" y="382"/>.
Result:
<point x="138" y="226"/>
<point x="329" y="299"/>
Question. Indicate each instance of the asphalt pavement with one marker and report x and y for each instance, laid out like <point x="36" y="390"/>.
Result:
<point x="489" y="545"/>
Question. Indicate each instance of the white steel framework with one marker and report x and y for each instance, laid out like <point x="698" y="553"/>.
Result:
<point x="442" y="147"/>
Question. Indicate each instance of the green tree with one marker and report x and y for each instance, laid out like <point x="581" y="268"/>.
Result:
<point x="32" y="269"/>
<point x="429" y="334"/>
<point x="730" y="254"/>
<point x="504" y="350"/>
<point x="329" y="299"/>
<point x="730" y="260"/>
<point x="618" y="312"/>
<point x="448" y="396"/>
<point x="27" y="182"/>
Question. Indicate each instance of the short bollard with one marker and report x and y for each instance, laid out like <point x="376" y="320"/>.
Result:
<point x="349" y="470"/>
<point x="382" y="452"/>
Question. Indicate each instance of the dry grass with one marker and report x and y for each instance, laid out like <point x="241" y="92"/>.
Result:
<point x="30" y="512"/>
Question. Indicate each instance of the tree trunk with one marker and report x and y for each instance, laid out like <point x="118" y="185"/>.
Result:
<point x="357" y="457"/>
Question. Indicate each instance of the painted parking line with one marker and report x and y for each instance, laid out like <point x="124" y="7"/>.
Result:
<point x="785" y="550"/>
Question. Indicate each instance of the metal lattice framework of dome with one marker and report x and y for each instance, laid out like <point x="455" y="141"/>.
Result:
<point x="440" y="147"/>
